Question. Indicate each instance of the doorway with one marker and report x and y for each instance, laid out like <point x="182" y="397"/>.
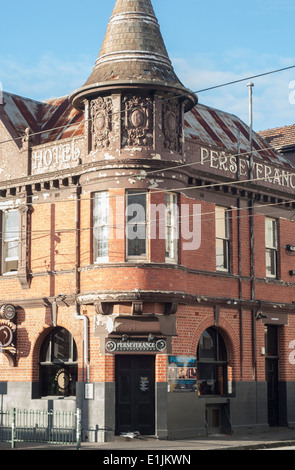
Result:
<point x="272" y="374"/>
<point x="135" y="394"/>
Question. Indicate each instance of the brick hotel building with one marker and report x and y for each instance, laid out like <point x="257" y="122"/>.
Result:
<point x="175" y="319"/>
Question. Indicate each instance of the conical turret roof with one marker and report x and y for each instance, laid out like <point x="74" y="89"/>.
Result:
<point x="133" y="52"/>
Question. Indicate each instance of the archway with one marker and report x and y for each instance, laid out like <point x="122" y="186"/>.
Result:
<point x="58" y="364"/>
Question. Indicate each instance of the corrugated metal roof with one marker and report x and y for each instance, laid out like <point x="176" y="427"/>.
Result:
<point x="52" y="120"/>
<point x="213" y="127"/>
<point x="56" y="119"/>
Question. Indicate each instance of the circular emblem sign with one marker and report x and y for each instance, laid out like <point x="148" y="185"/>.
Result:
<point x="6" y="336"/>
<point x="63" y="378"/>
<point x="8" y="311"/>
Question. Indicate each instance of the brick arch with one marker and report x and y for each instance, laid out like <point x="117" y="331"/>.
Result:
<point x="229" y="335"/>
<point x="40" y="336"/>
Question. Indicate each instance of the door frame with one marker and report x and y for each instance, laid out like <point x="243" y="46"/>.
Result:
<point x="272" y="373"/>
<point x="135" y="393"/>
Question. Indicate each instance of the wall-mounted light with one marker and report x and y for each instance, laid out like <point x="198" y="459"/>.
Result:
<point x="290" y="248"/>
<point x="292" y="273"/>
<point x="260" y="315"/>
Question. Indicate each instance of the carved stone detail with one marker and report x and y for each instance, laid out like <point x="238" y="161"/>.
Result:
<point x="137" y="308"/>
<point x="137" y="122"/>
<point x="172" y="126"/>
<point x="103" y="308"/>
<point x="101" y="118"/>
<point x="170" y="308"/>
<point x="8" y="340"/>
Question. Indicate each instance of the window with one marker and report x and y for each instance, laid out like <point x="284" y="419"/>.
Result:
<point x="222" y="238"/>
<point x="136" y="224"/>
<point x="58" y="364"/>
<point x="10" y="241"/>
<point x="212" y="363"/>
<point x="101" y="227"/>
<point x="171" y="227"/>
<point x="271" y="247"/>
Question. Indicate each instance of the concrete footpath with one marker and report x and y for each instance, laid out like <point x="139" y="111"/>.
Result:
<point x="280" y="437"/>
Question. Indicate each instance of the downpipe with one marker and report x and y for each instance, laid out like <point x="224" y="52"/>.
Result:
<point x="78" y="315"/>
<point x="85" y="319"/>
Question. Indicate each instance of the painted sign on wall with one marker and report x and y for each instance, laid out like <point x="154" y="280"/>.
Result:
<point x="55" y="157"/>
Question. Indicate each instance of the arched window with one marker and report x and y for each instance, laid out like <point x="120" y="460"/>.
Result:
<point x="212" y="363"/>
<point x="58" y="364"/>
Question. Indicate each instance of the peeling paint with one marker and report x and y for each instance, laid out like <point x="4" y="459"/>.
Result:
<point x="107" y="322"/>
<point x="154" y="183"/>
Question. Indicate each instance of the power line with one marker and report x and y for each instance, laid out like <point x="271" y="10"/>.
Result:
<point x="252" y="77"/>
<point x="46" y="232"/>
<point x="162" y="170"/>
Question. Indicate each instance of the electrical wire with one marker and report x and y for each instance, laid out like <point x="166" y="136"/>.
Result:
<point x="162" y="170"/>
<point x="46" y="232"/>
<point x="252" y="77"/>
<point x="175" y="166"/>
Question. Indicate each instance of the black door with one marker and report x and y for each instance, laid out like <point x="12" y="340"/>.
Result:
<point x="135" y="394"/>
<point x="272" y="391"/>
<point x="271" y="373"/>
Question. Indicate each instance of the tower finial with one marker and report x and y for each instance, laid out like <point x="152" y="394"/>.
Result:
<point x="133" y="52"/>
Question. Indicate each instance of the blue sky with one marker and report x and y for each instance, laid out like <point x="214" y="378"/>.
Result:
<point x="49" y="49"/>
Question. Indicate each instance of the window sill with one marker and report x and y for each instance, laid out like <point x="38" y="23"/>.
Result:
<point x="101" y="261"/>
<point x="137" y="260"/>
<point x="54" y="397"/>
<point x="171" y="261"/>
<point x="215" y="399"/>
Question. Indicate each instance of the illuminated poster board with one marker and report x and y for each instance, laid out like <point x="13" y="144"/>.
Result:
<point x="182" y="374"/>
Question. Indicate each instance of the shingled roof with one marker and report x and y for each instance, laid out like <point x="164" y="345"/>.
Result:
<point x="280" y="137"/>
<point x="133" y="53"/>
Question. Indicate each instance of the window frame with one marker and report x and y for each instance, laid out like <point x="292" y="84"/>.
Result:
<point x="219" y="361"/>
<point x="98" y="226"/>
<point x="6" y="240"/>
<point x="225" y="267"/>
<point x="128" y="224"/>
<point x="271" y="249"/>
<point x="171" y="200"/>
<point x="51" y="366"/>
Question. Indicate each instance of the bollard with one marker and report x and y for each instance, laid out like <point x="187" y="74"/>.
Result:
<point x="13" y="429"/>
<point x="78" y="429"/>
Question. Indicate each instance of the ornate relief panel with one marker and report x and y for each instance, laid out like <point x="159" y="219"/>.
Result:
<point x="101" y="119"/>
<point x="172" y="128"/>
<point x="137" y="122"/>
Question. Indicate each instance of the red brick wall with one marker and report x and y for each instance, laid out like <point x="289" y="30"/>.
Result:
<point x="53" y="249"/>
